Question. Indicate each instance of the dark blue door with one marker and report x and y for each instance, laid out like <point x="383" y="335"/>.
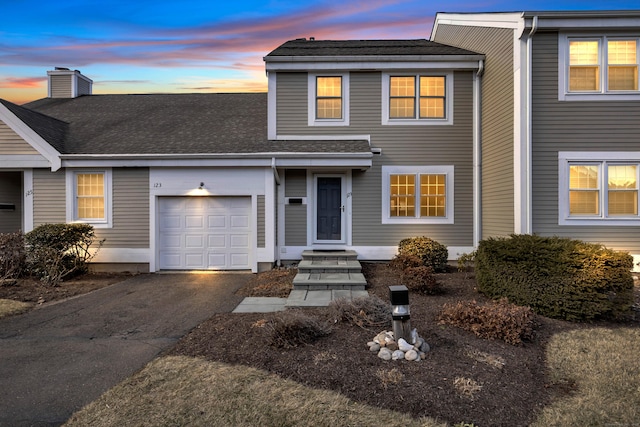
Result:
<point x="329" y="206"/>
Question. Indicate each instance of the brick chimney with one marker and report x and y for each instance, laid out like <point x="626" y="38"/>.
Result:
<point x="66" y="83"/>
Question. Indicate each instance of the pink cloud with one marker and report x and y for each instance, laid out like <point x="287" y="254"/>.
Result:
<point x="22" y="83"/>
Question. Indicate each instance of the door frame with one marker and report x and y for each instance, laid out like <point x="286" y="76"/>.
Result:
<point x="345" y="199"/>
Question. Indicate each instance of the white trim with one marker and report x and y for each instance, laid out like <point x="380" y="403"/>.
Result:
<point x="311" y="100"/>
<point x="31" y="137"/>
<point x="323" y="137"/>
<point x="339" y="64"/>
<point x="477" y="158"/>
<point x="448" y="120"/>
<point x="369" y="253"/>
<point x="494" y="20"/>
<point x="123" y="255"/>
<point x="565" y="158"/>
<point x="603" y="94"/>
<point x="272" y="106"/>
<point x="27" y="201"/>
<point x="447" y="170"/>
<point x="71" y="190"/>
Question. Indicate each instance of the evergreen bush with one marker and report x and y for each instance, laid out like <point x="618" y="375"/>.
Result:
<point x="556" y="277"/>
<point x="58" y="251"/>
<point x="433" y="254"/>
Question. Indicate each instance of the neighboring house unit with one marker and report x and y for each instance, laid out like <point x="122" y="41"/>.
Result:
<point x="503" y="123"/>
<point x="560" y="122"/>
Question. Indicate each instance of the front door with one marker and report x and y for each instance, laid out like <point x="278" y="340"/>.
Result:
<point x="329" y="209"/>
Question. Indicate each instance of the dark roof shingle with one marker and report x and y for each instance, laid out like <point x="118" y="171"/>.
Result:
<point x="304" y="47"/>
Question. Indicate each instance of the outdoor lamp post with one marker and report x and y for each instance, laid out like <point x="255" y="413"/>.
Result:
<point x="400" y="312"/>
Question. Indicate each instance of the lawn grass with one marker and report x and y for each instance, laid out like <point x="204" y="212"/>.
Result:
<point x="178" y="390"/>
<point x="10" y="307"/>
<point x="604" y="366"/>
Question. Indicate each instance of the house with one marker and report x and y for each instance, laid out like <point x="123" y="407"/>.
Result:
<point x="357" y="145"/>
<point x="502" y="123"/>
<point x="560" y="147"/>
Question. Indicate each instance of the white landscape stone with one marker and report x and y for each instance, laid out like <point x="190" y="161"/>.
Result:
<point x="384" y="353"/>
<point x="397" y="355"/>
<point x="412" y="355"/>
<point x="403" y="345"/>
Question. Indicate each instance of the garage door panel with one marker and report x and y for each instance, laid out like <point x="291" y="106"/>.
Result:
<point x="217" y="221"/>
<point x="239" y="221"/>
<point x="204" y="232"/>
<point x="194" y="221"/>
<point x="217" y="241"/>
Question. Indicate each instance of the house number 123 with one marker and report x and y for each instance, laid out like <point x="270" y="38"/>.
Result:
<point x="157" y="184"/>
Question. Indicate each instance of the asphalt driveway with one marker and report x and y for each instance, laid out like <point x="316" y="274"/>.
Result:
<point x="56" y="359"/>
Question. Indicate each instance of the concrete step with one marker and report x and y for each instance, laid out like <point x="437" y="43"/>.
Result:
<point x="329" y="255"/>
<point x="302" y="298"/>
<point x="317" y="265"/>
<point x="329" y="281"/>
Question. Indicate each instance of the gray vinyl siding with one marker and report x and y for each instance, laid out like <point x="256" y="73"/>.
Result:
<point x="497" y="120"/>
<point x="130" y="210"/>
<point x="11" y="193"/>
<point x="12" y="143"/>
<point x="261" y="223"/>
<point x="61" y="86"/>
<point x="295" y="185"/>
<point x="574" y="126"/>
<point x="130" y="200"/>
<point x="49" y="206"/>
<point x="295" y="232"/>
<point x="401" y="145"/>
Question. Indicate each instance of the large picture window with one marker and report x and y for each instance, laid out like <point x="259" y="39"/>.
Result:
<point x="417" y="194"/>
<point x="598" y="191"/>
<point x="598" y="66"/>
<point x="88" y="197"/>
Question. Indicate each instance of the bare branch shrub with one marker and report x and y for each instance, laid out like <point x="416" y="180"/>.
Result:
<point x="365" y="312"/>
<point x="12" y="255"/>
<point x="292" y="328"/>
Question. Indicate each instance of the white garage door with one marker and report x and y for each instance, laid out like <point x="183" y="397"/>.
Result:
<point x="204" y="233"/>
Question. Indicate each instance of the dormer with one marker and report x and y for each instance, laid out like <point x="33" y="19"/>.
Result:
<point x="66" y="83"/>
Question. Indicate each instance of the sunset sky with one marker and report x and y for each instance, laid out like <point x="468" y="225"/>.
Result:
<point x="158" y="46"/>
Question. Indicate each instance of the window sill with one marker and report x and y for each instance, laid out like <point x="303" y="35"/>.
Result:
<point x="417" y="220"/>
<point x="602" y="222"/>
<point x="622" y="96"/>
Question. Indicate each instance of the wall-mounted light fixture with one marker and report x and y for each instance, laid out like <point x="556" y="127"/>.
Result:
<point x="201" y="186"/>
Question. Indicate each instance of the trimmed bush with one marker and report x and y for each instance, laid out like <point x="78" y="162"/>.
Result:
<point x="421" y="280"/>
<point x="432" y="253"/>
<point x="402" y="261"/>
<point x="292" y="328"/>
<point x="497" y="320"/>
<point x="59" y="251"/>
<point x="556" y="277"/>
<point x="12" y="255"/>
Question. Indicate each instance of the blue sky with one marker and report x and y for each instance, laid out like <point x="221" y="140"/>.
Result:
<point x="158" y="46"/>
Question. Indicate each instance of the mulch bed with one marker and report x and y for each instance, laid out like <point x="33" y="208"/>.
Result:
<point x="510" y="395"/>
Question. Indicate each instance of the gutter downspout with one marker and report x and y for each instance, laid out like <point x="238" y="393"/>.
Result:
<point x="477" y="154"/>
<point x="528" y="229"/>
<point x="276" y="176"/>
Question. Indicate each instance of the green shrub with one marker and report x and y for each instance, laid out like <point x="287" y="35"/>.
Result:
<point x="421" y="280"/>
<point x="58" y="251"/>
<point x="292" y="328"/>
<point x="497" y="320"/>
<point x="12" y="255"/>
<point x="556" y="277"/>
<point x="432" y="253"/>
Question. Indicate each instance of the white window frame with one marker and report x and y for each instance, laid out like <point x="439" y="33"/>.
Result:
<point x="71" y="199"/>
<point x="603" y="94"/>
<point x="448" y="100"/>
<point x="387" y="171"/>
<point x="311" y="84"/>
<point x="602" y="160"/>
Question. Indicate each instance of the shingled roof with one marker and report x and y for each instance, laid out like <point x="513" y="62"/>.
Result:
<point x="48" y="128"/>
<point x="304" y="47"/>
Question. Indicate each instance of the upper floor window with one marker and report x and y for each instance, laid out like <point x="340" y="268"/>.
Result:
<point x="598" y="191"/>
<point x="417" y="194"/>
<point x="417" y="99"/>
<point x="89" y="197"/>
<point x="328" y="100"/>
<point x="598" y="67"/>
